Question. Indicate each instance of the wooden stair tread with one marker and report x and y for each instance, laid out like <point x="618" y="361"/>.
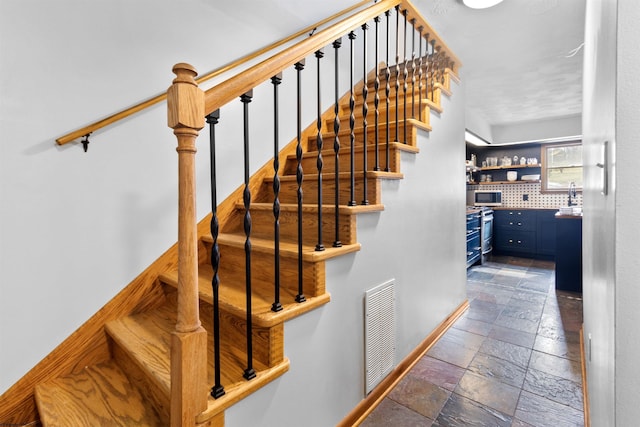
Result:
<point x="313" y="208"/>
<point x="233" y="300"/>
<point x="345" y="150"/>
<point x="155" y="328"/>
<point x="287" y="249"/>
<point x="343" y="133"/>
<point x="99" y="395"/>
<point x="129" y="331"/>
<point x="341" y="175"/>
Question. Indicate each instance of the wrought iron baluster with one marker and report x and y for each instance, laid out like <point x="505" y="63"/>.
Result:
<point x="387" y="91"/>
<point x="376" y="100"/>
<point x="432" y="68"/>
<point x="276" y="306"/>
<point x="249" y="372"/>
<point x="336" y="143"/>
<point x="413" y="68"/>
<point x="405" y="74"/>
<point x="427" y="62"/>
<point x="352" y="122"/>
<point x="319" y="163"/>
<point x="299" y="177"/>
<point x="217" y="390"/>
<point x="397" y="72"/>
<point x="420" y="73"/>
<point x="365" y="111"/>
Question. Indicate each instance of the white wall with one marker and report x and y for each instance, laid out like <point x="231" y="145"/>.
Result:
<point x="417" y="241"/>
<point x="611" y="231"/>
<point x="536" y="130"/>
<point x="478" y="125"/>
<point x="77" y="227"/>
<point x="627" y="317"/>
<point x="599" y="211"/>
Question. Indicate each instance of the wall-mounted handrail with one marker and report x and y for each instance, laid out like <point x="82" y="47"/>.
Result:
<point x="218" y="71"/>
<point x="221" y="94"/>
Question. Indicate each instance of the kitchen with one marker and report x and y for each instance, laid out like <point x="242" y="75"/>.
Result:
<point x="525" y="200"/>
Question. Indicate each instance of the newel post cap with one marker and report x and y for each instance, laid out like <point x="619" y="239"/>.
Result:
<point x="185" y="100"/>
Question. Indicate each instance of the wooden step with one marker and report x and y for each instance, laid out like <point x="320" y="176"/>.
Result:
<point x="99" y="395"/>
<point x="289" y="187"/>
<point x="344" y="135"/>
<point x="233" y="299"/>
<point x="420" y="111"/>
<point x="421" y="95"/>
<point x="309" y="159"/>
<point x="262" y="220"/>
<point x="142" y="346"/>
<point x="232" y="264"/>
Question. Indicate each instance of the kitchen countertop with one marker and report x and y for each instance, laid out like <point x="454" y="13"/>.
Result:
<point x="568" y="216"/>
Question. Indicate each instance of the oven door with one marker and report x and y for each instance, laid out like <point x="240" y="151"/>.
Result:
<point x="487" y="232"/>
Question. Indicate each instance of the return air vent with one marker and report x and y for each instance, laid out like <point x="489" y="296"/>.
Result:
<point x="379" y="333"/>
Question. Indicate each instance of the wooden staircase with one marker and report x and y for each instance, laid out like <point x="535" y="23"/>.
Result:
<point x="128" y="381"/>
<point x="133" y="388"/>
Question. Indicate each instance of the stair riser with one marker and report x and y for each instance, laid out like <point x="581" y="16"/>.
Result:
<point x="344" y="160"/>
<point x="288" y="191"/>
<point x="263" y="226"/>
<point x="268" y="343"/>
<point x="412" y="93"/>
<point x="420" y="112"/>
<point x="345" y="137"/>
<point x="232" y="271"/>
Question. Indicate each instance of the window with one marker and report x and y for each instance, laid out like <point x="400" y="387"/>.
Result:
<point x="561" y="165"/>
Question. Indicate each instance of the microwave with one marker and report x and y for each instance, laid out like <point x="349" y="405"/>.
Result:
<point x="487" y="198"/>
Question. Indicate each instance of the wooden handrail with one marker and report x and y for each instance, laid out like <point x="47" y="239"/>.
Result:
<point x="221" y="94"/>
<point x="218" y="71"/>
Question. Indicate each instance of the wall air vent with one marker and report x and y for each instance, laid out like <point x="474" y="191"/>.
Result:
<point x="379" y="334"/>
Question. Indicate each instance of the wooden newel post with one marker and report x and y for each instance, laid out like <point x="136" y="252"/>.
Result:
<point x="185" y="104"/>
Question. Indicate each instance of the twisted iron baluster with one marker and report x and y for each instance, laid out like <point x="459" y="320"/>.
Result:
<point x="352" y="122"/>
<point x="432" y="68"/>
<point x="217" y="390"/>
<point x="249" y="372"/>
<point x="336" y="144"/>
<point x="405" y="74"/>
<point x="299" y="177"/>
<point x="319" y="142"/>
<point x="376" y="100"/>
<point x="387" y="91"/>
<point x="420" y="87"/>
<point x="397" y="71"/>
<point x="276" y="306"/>
<point x="413" y="68"/>
<point x="365" y="111"/>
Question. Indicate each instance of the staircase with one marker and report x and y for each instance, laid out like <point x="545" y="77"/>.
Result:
<point x="132" y="386"/>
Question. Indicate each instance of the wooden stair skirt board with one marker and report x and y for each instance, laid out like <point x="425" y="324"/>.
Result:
<point x="115" y="369"/>
<point x="368" y="404"/>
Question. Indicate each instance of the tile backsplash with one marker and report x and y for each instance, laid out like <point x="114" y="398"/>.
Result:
<point x="513" y="195"/>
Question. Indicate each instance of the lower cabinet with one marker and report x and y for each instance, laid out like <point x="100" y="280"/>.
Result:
<point x="525" y="232"/>
<point x="569" y="256"/>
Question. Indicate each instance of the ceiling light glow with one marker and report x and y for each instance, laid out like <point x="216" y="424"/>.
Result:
<point x="480" y="4"/>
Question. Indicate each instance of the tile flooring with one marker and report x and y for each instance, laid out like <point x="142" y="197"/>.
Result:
<point x="512" y="359"/>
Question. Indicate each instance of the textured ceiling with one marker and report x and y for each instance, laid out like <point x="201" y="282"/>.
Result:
<point x="522" y="59"/>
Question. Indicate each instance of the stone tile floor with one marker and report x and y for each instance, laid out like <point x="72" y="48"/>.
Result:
<point x="512" y="359"/>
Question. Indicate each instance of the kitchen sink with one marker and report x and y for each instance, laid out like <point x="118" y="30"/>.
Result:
<point x="570" y="210"/>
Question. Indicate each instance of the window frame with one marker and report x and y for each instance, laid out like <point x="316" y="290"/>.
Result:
<point x="544" y="167"/>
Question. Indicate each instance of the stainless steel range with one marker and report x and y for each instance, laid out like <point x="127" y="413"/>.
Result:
<point x="486" y="233"/>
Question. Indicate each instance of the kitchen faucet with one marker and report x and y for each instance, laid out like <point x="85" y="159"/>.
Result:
<point x="572" y="194"/>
